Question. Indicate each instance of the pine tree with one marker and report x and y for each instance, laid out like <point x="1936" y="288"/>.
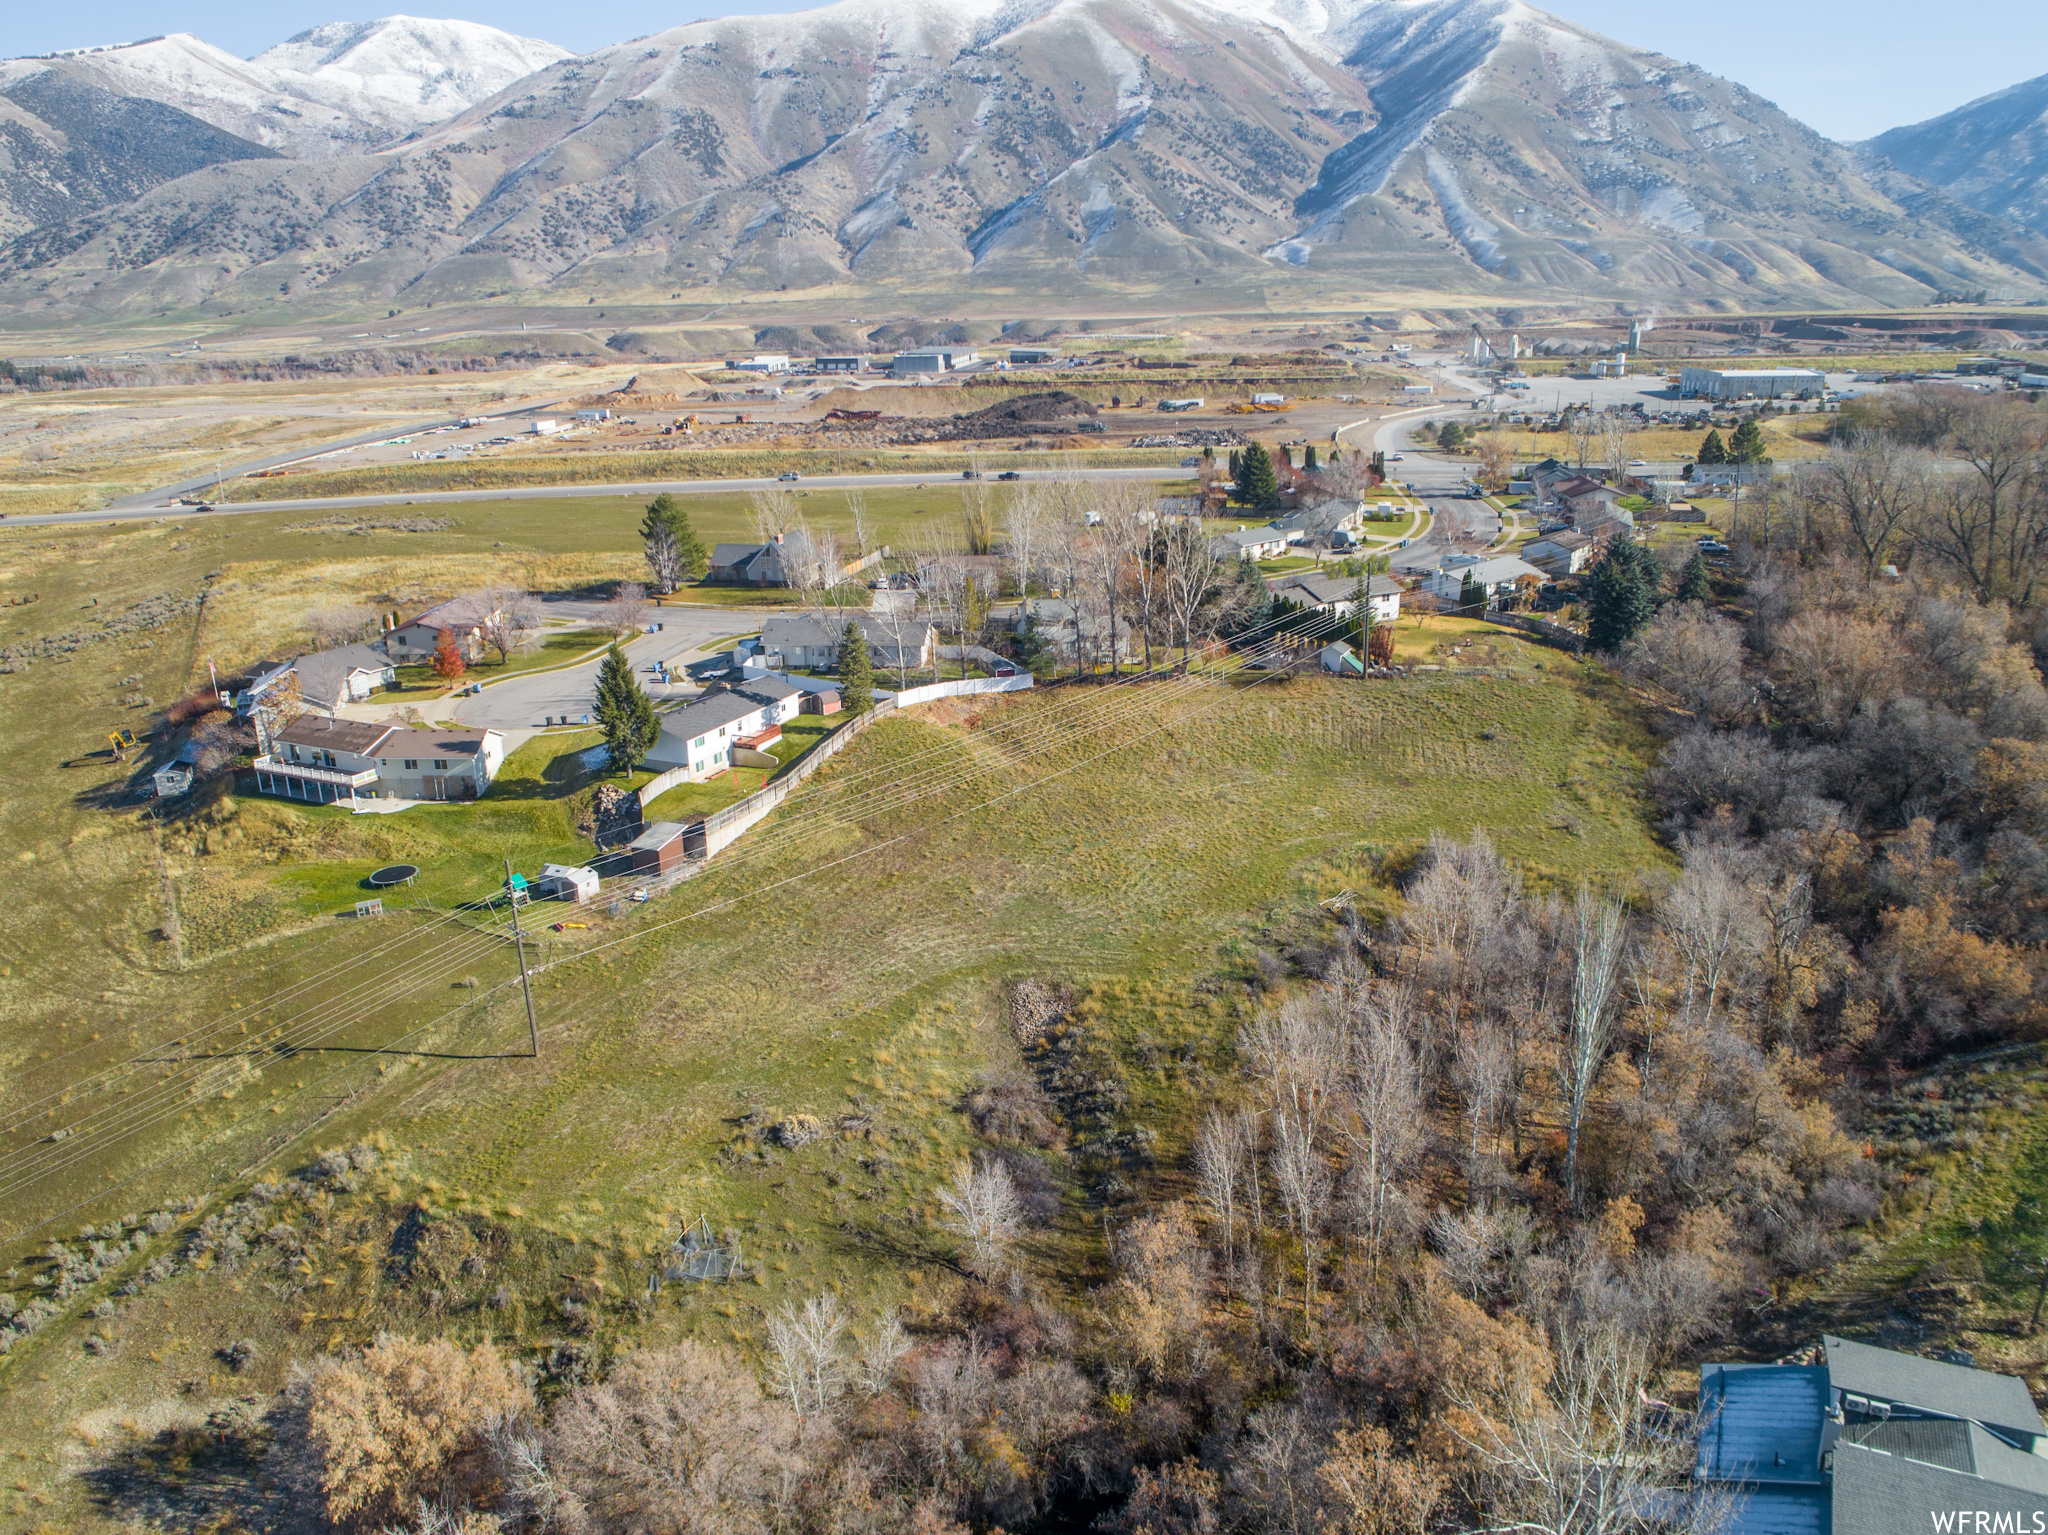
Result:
<point x="1309" y="460"/>
<point x="1693" y="582"/>
<point x="449" y="664"/>
<point x="672" y="546"/>
<point x="1747" y="445"/>
<point x="1713" y="450"/>
<point x="1452" y="437"/>
<point x="856" y="671"/>
<point x="624" y="711"/>
<point x="1235" y="462"/>
<point x="1469" y="595"/>
<point x="1257" y="485"/>
<point x="1619" y="597"/>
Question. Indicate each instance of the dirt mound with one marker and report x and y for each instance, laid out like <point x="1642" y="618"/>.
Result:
<point x="1030" y="410"/>
<point x="654" y="389"/>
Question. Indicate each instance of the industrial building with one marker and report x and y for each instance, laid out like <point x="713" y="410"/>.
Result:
<point x="1752" y="383"/>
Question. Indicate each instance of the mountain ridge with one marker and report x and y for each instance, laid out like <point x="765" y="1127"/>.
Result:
<point x="1991" y="153"/>
<point x="1471" y="147"/>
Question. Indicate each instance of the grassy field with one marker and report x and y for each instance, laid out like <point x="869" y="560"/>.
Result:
<point x="262" y="572"/>
<point x="676" y="464"/>
<point x="850" y="967"/>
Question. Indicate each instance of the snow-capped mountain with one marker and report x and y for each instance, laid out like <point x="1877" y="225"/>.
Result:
<point x="1991" y="153"/>
<point x="337" y="89"/>
<point x="1436" y="151"/>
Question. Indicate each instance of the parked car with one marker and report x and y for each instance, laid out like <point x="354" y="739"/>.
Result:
<point x="1712" y="546"/>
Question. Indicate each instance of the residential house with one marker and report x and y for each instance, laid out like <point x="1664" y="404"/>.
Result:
<point x="1605" y="530"/>
<point x="1267" y="543"/>
<point x="1493" y="579"/>
<point x="1564" y="553"/>
<point x="896" y="641"/>
<point x="1871" y="1442"/>
<point x="328" y="760"/>
<point x="1338" y="595"/>
<point x="327" y="679"/>
<point x="702" y="736"/>
<point x="1329" y="525"/>
<point x="788" y="559"/>
<point x="1068" y="630"/>
<point x="468" y="619"/>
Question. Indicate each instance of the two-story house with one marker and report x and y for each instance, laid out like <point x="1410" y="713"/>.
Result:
<point x="326" y="761"/>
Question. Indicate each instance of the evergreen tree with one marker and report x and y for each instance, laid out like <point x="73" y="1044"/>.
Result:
<point x="1620" y="596"/>
<point x="1309" y="460"/>
<point x="1747" y="445"/>
<point x="672" y="546"/>
<point x="1234" y="463"/>
<point x="1469" y="595"/>
<point x="1452" y="437"/>
<point x="624" y="711"/>
<point x="856" y="671"/>
<point x="1713" y="450"/>
<point x="1693" y="582"/>
<point x="1286" y="455"/>
<point x="1257" y="485"/>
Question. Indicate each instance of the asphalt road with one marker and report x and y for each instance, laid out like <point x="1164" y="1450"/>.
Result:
<point x="522" y="704"/>
<point x="543" y="492"/>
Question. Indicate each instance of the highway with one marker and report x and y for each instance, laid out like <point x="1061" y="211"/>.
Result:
<point x="157" y="509"/>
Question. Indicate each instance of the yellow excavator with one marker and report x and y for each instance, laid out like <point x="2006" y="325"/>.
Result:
<point x="123" y="742"/>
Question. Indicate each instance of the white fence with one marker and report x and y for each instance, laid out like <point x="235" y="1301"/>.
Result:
<point x="724" y="827"/>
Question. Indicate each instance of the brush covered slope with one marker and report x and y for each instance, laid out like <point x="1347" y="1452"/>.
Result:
<point x="1469" y="148"/>
<point x="1991" y="153"/>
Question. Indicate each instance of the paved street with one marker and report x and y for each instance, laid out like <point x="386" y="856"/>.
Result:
<point x="520" y="705"/>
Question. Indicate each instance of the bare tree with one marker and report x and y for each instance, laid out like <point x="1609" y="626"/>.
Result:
<point x="1219" y="1168"/>
<point x="1117" y="534"/>
<point x="1555" y="1445"/>
<point x="773" y="511"/>
<point x="981" y="1206"/>
<point x="1383" y="1091"/>
<point x="626" y="611"/>
<point x="1580" y="426"/>
<point x="1877" y="489"/>
<point x="330" y="628"/>
<point x="1617" y="439"/>
<point x="1190" y="579"/>
<point x="1597" y="933"/>
<point x="882" y="1351"/>
<point x="1023" y="519"/>
<point x="508" y="620"/>
<point x="1483" y="1067"/>
<point x="977" y="514"/>
<point x="863" y="530"/>
<point x="806" y="1344"/>
<point x="1713" y="920"/>
<point x="1695" y="657"/>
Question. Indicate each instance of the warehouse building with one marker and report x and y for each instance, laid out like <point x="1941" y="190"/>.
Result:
<point x="1751" y="383"/>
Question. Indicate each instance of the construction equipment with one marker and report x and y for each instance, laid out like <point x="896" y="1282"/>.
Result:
<point x="853" y="415"/>
<point x="123" y="742"/>
<point x="1240" y="408"/>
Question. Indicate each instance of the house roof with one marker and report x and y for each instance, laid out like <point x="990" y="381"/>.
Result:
<point x="1321" y="589"/>
<point x="798" y="631"/>
<point x="318" y="730"/>
<point x="659" y="834"/>
<point x="425" y="741"/>
<point x="1565" y="541"/>
<point x="1323" y="518"/>
<point x="1763" y="1422"/>
<point x="1880" y="1494"/>
<point x="1241" y="539"/>
<point x="1955" y="1390"/>
<point x="324" y="674"/>
<point x="709" y="713"/>
<point x="1494" y="572"/>
<point x="1780" y="1511"/>
<point x="457" y="614"/>
<point x="767" y="690"/>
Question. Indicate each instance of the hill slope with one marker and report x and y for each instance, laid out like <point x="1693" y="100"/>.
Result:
<point x="1991" y="153"/>
<point x="336" y="89"/>
<point x="1473" y="148"/>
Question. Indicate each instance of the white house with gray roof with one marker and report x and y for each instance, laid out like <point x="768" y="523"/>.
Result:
<point x="701" y="736"/>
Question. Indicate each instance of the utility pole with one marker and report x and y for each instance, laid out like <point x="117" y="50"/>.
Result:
<point x="525" y="986"/>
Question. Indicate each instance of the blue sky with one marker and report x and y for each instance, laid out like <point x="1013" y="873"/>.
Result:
<point x="1850" y="70"/>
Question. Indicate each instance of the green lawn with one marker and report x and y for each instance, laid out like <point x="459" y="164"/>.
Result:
<point x="694" y="799"/>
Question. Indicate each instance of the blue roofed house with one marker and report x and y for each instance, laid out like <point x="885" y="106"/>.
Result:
<point x="1872" y="1442"/>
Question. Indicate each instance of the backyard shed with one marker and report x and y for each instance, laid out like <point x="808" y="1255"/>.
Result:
<point x="568" y="882"/>
<point x="657" y="850"/>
